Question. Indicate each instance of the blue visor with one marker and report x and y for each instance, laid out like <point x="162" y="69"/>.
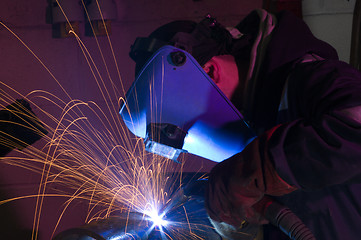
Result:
<point x="173" y="89"/>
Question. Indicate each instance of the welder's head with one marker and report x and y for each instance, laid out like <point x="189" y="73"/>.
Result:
<point x="176" y="102"/>
<point x="205" y="41"/>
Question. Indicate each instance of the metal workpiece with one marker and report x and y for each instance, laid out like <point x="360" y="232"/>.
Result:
<point x="184" y="221"/>
<point x="126" y="227"/>
<point x="182" y="217"/>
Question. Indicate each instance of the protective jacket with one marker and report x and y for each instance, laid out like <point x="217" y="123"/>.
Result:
<point x="298" y="84"/>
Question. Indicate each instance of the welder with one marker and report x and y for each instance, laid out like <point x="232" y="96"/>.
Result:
<point x="305" y="107"/>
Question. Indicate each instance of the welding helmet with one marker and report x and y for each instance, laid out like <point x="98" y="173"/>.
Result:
<point x="173" y="104"/>
<point x="202" y="40"/>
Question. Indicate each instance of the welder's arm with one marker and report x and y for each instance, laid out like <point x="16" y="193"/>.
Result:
<point x="322" y="147"/>
<point x="296" y="155"/>
<point x="237" y="184"/>
<point x="325" y="152"/>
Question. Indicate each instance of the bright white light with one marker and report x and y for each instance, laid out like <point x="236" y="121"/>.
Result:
<point x="157" y="219"/>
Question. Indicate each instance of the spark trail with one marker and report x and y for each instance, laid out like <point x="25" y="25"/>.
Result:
<point x="89" y="155"/>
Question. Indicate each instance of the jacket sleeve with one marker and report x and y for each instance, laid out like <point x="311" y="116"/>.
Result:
<point x="320" y="145"/>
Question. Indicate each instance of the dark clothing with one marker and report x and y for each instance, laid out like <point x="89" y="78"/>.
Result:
<point x="317" y="147"/>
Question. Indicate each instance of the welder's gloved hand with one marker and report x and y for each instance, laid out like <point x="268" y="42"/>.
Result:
<point x="237" y="185"/>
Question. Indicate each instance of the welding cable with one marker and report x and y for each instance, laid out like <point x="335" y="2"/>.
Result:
<point x="283" y="218"/>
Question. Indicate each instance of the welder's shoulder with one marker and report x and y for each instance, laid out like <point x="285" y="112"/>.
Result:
<point x="330" y="79"/>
